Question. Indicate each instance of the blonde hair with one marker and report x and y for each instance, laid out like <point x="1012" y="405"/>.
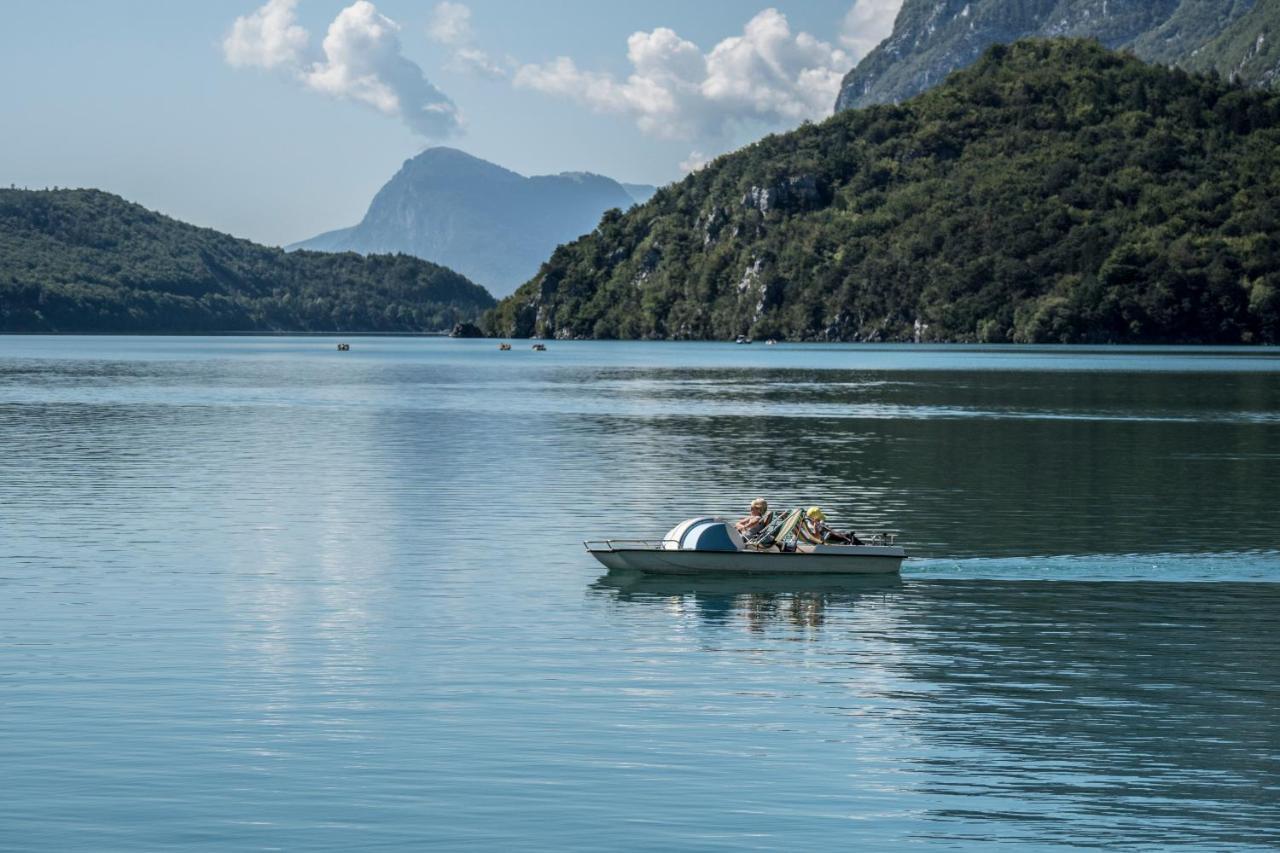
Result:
<point x="760" y="502"/>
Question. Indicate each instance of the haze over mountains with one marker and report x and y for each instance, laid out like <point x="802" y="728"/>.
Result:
<point x="1240" y="39"/>
<point x="491" y="224"/>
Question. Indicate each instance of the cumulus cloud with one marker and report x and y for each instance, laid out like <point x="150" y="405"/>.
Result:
<point x="767" y="76"/>
<point x="866" y="24"/>
<point x="450" y="25"/>
<point x="360" y="60"/>
<point x="267" y="38"/>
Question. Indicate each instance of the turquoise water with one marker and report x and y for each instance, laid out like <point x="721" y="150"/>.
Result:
<point x="259" y="594"/>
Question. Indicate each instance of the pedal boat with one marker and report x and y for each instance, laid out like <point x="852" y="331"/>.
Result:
<point x="712" y="545"/>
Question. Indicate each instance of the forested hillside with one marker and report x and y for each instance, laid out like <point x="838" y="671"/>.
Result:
<point x="1055" y="191"/>
<point x="1248" y="50"/>
<point x="89" y="261"/>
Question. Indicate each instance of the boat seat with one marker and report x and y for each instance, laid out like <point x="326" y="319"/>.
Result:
<point x="755" y="538"/>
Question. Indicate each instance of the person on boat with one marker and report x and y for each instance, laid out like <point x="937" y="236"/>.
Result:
<point x="814" y="528"/>
<point x="758" y="519"/>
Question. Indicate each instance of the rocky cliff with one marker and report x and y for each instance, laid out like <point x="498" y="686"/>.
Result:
<point x="932" y="38"/>
<point x="1247" y="50"/>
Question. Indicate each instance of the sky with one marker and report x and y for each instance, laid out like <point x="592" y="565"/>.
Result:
<point x="276" y="120"/>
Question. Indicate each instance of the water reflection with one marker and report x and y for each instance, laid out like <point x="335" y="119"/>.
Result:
<point x="800" y="600"/>
<point x="1143" y="707"/>
<point x="975" y="487"/>
<point x="291" y="597"/>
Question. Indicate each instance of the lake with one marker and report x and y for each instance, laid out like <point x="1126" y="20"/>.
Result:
<point x="256" y="593"/>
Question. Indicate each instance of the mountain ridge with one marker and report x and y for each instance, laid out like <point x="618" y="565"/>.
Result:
<point x="84" y="260"/>
<point x="932" y="38"/>
<point x="450" y="207"/>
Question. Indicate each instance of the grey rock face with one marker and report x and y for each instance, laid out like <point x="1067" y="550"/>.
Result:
<point x="799" y="192"/>
<point x="490" y="224"/>
<point x="932" y="38"/>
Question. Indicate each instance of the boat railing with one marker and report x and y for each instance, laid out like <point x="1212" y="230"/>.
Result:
<point x="617" y="544"/>
<point x="878" y="537"/>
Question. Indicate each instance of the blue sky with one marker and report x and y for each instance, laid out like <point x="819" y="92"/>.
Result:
<point x="243" y="117"/>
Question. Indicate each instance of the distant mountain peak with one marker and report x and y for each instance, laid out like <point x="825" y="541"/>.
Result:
<point x="442" y="160"/>
<point x="494" y="225"/>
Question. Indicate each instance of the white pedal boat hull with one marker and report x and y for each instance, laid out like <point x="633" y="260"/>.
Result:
<point x="811" y="560"/>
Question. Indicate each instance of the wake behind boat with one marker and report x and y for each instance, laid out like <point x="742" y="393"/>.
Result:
<point x="709" y="544"/>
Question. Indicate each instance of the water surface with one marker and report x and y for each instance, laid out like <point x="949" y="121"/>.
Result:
<point x="256" y="593"/>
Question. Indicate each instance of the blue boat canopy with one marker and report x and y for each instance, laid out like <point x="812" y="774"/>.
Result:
<point x="703" y="534"/>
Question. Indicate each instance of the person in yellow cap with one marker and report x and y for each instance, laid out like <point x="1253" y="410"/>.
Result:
<point x="817" y="530"/>
<point x="757" y="520"/>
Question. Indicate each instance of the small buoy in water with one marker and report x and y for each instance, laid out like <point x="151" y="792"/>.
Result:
<point x="504" y="347"/>
<point x="343" y="347"/>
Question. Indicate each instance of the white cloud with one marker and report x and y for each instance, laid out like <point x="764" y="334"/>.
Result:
<point x="478" y="62"/>
<point x="267" y="38"/>
<point x="360" y="60"/>
<point x="450" y="25"/>
<point x="866" y="24"/>
<point x="767" y="76"/>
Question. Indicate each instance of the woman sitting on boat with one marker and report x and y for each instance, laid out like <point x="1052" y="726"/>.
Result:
<point x="813" y="528"/>
<point x="755" y="523"/>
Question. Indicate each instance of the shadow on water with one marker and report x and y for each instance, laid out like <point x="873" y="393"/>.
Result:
<point x="1051" y="706"/>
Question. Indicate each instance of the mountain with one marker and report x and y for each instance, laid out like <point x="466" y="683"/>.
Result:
<point x="932" y="38"/>
<point x="489" y="223"/>
<point x="89" y="261"/>
<point x="1054" y="191"/>
<point x="1248" y="49"/>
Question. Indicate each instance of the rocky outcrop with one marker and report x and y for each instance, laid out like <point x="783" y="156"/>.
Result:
<point x="1248" y="50"/>
<point x="791" y="194"/>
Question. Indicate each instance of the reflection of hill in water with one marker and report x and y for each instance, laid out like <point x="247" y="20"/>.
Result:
<point x="1144" y="705"/>
<point x="966" y="464"/>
